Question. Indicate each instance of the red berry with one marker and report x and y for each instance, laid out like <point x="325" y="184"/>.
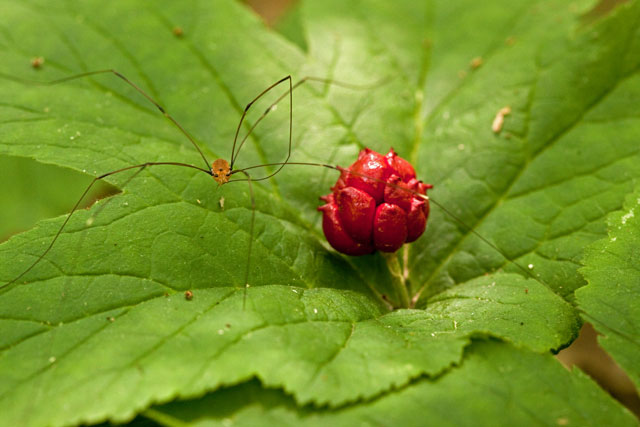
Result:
<point x="336" y="234"/>
<point x="356" y="210"/>
<point x="374" y="205"/>
<point x="417" y="219"/>
<point x="370" y="173"/>
<point x="396" y="194"/>
<point x="389" y="227"/>
<point x="403" y="167"/>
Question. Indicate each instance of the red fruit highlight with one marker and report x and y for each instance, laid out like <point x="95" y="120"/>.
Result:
<point x="374" y="205"/>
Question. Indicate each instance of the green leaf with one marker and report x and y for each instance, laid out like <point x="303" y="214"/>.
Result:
<point x="320" y="345"/>
<point x="38" y="191"/>
<point x="103" y="314"/>
<point x="480" y="392"/>
<point x="611" y="301"/>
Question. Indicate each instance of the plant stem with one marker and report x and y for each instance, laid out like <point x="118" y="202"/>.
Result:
<point x="397" y="278"/>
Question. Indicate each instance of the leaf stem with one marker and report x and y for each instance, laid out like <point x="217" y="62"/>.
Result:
<point x="397" y="278"/>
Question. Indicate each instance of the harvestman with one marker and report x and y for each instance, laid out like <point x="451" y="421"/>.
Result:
<point x="220" y="170"/>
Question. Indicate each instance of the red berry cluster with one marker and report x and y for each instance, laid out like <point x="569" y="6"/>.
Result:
<point x="370" y="208"/>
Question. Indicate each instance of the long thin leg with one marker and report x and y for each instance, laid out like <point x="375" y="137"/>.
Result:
<point x="234" y="152"/>
<point x="284" y="95"/>
<point x="127" y="81"/>
<point x="96" y="179"/>
<point x="281" y="164"/>
<point x="253" y="220"/>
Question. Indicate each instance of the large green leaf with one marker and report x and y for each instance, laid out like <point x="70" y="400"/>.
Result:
<point x="321" y="345"/>
<point x="103" y="314"/>
<point x="480" y="392"/>
<point x="611" y="301"/>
